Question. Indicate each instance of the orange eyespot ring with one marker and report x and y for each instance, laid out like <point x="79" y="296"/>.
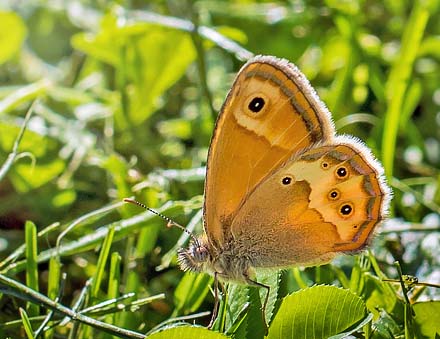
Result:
<point x="334" y="194"/>
<point x="325" y="165"/>
<point x="341" y="172"/>
<point x="346" y="209"/>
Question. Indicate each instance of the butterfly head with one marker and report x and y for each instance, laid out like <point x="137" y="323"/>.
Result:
<point x="195" y="258"/>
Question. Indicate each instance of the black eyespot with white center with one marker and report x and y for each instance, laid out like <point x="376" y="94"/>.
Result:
<point x="334" y="194"/>
<point x="346" y="210"/>
<point x="256" y="104"/>
<point x="286" y="181"/>
<point x="341" y="172"/>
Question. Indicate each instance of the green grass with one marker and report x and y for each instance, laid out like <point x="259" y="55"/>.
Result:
<point x="108" y="100"/>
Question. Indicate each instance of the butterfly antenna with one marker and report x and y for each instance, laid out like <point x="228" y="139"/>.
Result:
<point x="170" y="222"/>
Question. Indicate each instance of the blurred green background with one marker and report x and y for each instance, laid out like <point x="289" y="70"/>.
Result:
<point x="128" y="94"/>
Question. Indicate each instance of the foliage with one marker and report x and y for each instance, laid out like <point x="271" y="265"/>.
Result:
<point x="125" y="95"/>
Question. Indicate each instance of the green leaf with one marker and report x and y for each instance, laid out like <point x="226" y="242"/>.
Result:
<point x="148" y="60"/>
<point x="427" y="319"/>
<point x="386" y="327"/>
<point x="24" y="174"/>
<point x="239" y="295"/>
<point x="353" y="329"/>
<point x="317" y="312"/>
<point x="164" y="55"/>
<point x="26" y="177"/>
<point x="12" y="35"/>
<point x="378" y="295"/>
<point x="187" y="332"/>
<point x="271" y="279"/>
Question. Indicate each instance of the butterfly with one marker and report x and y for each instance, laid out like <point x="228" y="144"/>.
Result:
<point x="282" y="189"/>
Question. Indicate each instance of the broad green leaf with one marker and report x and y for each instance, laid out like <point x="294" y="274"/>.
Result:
<point x="163" y="57"/>
<point x="26" y="175"/>
<point x="317" y="312"/>
<point x="31" y="142"/>
<point x="353" y="329"/>
<point x="427" y="319"/>
<point x="357" y="327"/>
<point x="12" y="35"/>
<point x="148" y="60"/>
<point x="239" y="295"/>
<point x="378" y="295"/>
<point x="99" y="45"/>
<point x="386" y="327"/>
<point x="272" y="279"/>
<point x="254" y="319"/>
<point x="187" y="332"/>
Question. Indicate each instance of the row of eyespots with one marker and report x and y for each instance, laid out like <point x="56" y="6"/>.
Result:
<point x="341" y="172"/>
<point x="345" y="210"/>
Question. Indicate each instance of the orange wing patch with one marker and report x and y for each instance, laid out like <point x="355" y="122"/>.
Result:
<point x="347" y="190"/>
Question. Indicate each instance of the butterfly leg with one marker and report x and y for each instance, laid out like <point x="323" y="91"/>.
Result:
<point x="266" y="299"/>
<point x="216" y="301"/>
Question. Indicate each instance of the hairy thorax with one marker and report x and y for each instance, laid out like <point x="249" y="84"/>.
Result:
<point x="229" y="263"/>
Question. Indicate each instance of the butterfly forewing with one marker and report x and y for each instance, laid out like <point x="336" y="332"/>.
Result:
<point x="270" y="113"/>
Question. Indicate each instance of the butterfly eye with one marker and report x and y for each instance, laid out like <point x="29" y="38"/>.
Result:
<point x="341" y="172"/>
<point x="346" y="210"/>
<point x="325" y="165"/>
<point x="334" y="194"/>
<point x="286" y="180"/>
<point x="256" y="104"/>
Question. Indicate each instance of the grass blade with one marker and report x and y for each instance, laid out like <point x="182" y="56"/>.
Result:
<point x="397" y="83"/>
<point x="31" y="264"/>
